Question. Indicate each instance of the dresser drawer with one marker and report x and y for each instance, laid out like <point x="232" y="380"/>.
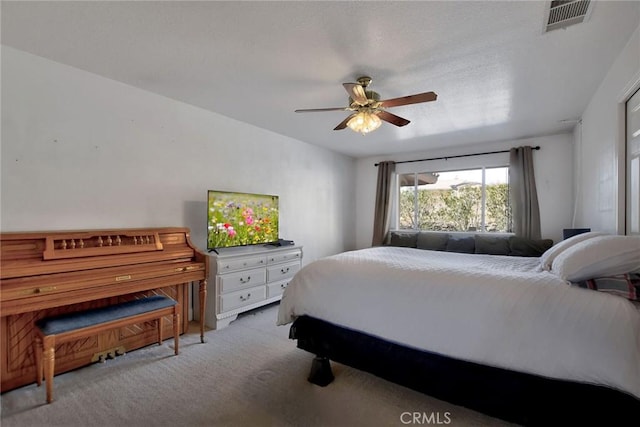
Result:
<point x="227" y="265"/>
<point x="282" y="271"/>
<point x="284" y="256"/>
<point x="277" y="288"/>
<point x="242" y="279"/>
<point x="234" y="300"/>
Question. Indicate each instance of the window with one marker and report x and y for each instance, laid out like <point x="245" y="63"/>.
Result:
<point x="461" y="200"/>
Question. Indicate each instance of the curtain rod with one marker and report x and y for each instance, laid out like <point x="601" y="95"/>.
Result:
<point x="459" y="155"/>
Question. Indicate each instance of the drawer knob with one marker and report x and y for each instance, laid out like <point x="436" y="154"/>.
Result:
<point x="183" y="269"/>
<point x="44" y="289"/>
<point x="284" y="271"/>
<point x="243" y="298"/>
<point x="284" y="285"/>
<point x="242" y="280"/>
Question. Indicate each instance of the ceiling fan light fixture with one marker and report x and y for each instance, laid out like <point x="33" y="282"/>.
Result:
<point x="364" y="122"/>
<point x="368" y="111"/>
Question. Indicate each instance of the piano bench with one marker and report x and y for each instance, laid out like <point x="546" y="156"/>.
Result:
<point x="52" y="331"/>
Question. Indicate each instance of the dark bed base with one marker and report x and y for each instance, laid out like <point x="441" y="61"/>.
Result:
<point x="513" y="396"/>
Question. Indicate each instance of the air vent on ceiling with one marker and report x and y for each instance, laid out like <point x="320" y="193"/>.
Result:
<point x="563" y="13"/>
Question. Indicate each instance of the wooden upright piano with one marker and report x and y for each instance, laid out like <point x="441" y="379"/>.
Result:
<point x="49" y="273"/>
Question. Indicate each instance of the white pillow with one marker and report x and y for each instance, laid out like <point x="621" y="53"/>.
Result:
<point x="546" y="259"/>
<point x="598" y="257"/>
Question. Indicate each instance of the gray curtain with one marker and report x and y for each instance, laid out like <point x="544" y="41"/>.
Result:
<point x="382" y="213"/>
<point x="523" y="194"/>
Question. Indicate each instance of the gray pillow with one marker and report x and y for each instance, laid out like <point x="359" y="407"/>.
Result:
<point x="492" y="245"/>
<point x="465" y="245"/>
<point x="522" y="246"/>
<point x="406" y="240"/>
<point x="432" y="241"/>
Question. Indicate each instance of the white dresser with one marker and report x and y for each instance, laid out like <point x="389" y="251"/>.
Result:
<point x="247" y="277"/>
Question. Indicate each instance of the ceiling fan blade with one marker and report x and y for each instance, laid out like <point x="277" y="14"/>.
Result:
<point x="392" y="118"/>
<point x="315" y="110"/>
<point x="411" y="99"/>
<point x="356" y="92"/>
<point x="343" y="124"/>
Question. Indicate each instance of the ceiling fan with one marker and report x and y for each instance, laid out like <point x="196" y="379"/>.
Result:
<point x="368" y="110"/>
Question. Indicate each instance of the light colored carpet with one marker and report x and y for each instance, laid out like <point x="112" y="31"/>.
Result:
<point x="249" y="374"/>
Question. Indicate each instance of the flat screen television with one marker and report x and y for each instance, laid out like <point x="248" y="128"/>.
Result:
<point x="241" y="219"/>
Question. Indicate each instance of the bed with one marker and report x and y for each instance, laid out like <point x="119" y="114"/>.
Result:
<point x="513" y="337"/>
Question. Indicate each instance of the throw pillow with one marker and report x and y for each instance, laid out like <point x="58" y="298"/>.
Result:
<point x="465" y="245"/>
<point x="492" y="245"/>
<point x="406" y="240"/>
<point x="622" y="285"/>
<point x="522" y="246"/>
<point x="432" y="241"/>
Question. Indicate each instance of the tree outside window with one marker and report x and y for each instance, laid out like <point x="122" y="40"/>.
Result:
<point x="464" y="200"/>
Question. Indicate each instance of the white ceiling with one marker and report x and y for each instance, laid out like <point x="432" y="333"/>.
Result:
<point x="498" y="76"/>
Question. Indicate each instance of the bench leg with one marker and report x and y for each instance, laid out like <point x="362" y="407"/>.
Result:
<point x="37" y="354"/>
<point x="176" y="329"/>
<point x="203" y="301"/>
<point x="49" y="353"/>
<point x="160" y="323"/>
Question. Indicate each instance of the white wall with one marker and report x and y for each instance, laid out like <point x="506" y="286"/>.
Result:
<point x="600" y="145"/>
<point x="553" y="168"/>
<point x="82" y="151"/>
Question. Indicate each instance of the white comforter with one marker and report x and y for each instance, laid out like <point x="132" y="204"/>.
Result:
<point x="495" y="310"/>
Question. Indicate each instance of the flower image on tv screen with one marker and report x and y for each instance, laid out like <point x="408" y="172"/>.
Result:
<point x="239" y="219"/>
